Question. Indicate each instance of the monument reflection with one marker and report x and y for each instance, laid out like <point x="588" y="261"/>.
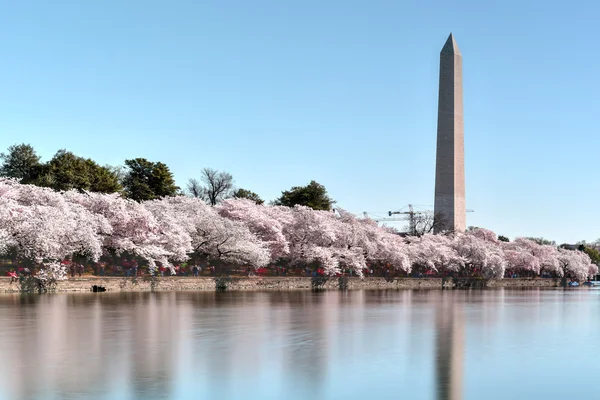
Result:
<point x="449" y="350"/>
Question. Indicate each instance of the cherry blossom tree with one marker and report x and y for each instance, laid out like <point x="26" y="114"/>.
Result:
<point x="481" y="252"/>
<point x="212" y="236"/>
<point x="45" y="226"/>
<point x="377" y="244"/>
<point x="576" y="264"/>
<point x="4" y="241"/>
<point x="263" y="223"/>
<point x="528" y="255"/>
<point x="483" y="234"/>
<point x="392" y="249"/>
<point x="52" y="273"/>
<point x="436" y="252"/>
<point x="336" y="241"/>
<point x="134" y="229"/>
<point x="42" y="225"/>
<point x="522" y="255"/>
<point x="312" y="236"/>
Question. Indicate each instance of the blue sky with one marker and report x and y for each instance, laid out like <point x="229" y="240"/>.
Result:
<point x="343" y="92"/>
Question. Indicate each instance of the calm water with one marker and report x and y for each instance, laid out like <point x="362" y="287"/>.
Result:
<point x="496" y="344"/>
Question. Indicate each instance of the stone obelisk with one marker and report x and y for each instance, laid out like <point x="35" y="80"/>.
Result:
<point x="449" y="206"/>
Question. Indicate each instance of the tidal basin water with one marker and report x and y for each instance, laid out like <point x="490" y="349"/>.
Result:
<point x="491" y="344"/>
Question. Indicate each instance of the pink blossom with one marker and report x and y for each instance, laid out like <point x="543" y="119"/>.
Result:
<point x="261" y="221"/>
<point x="576" y="264"/>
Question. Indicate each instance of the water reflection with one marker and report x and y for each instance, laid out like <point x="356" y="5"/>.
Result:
<point x="296" y="345"/>
<point x="449" y="338"/>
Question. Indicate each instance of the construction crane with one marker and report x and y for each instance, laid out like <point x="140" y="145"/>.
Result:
<point x="407" y="216"/>
<point x="412" y="226"/>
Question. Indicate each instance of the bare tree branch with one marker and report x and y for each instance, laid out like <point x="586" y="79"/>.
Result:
<point x="194" y="188"/>
<point x="217" y="186"/>
<point x="425" y="223"/>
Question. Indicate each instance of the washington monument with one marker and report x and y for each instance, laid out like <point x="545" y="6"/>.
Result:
<point x="449" y="204"/>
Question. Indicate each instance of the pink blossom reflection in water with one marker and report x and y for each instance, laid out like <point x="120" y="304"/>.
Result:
<point x="492" y="344"/>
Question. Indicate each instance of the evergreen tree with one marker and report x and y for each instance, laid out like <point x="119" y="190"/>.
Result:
<point x="19" y="162"/>
<point x="146" y="180"/>
<point x="313" y="195"/>
<point x="247" y="194"/>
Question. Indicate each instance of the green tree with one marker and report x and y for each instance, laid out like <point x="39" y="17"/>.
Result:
<point x="541" y="240"/>
<point x="247" y="194"/>
<point x="19" y="162"/>
<point x="40" y="176"/>
<point x="593" y="253"/>
<point x="66" y="171"/>
<point x="313" y="195"/>
<point x="103" y="179"/>
<point x="503" y="238"/>
<point x="162" y="181"/>
<point x="146" y="180"/>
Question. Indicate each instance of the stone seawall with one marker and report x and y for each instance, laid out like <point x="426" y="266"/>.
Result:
<point x="115" y="284"/>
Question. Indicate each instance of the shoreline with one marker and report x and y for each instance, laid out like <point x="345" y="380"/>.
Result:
<point x="120" y="284"/>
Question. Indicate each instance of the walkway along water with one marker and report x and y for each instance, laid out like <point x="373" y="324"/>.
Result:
<point x="116" y="284"/>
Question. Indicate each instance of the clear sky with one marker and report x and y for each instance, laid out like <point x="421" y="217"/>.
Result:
<point x="344" y="92"/>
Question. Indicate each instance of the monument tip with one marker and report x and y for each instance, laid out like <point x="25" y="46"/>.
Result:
<point x="450" y="46"/>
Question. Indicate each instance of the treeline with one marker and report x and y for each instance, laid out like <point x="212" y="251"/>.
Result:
<point x="140" y="179"/>
<point x="591" y="249"/>
<point x="43" y="227"/>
